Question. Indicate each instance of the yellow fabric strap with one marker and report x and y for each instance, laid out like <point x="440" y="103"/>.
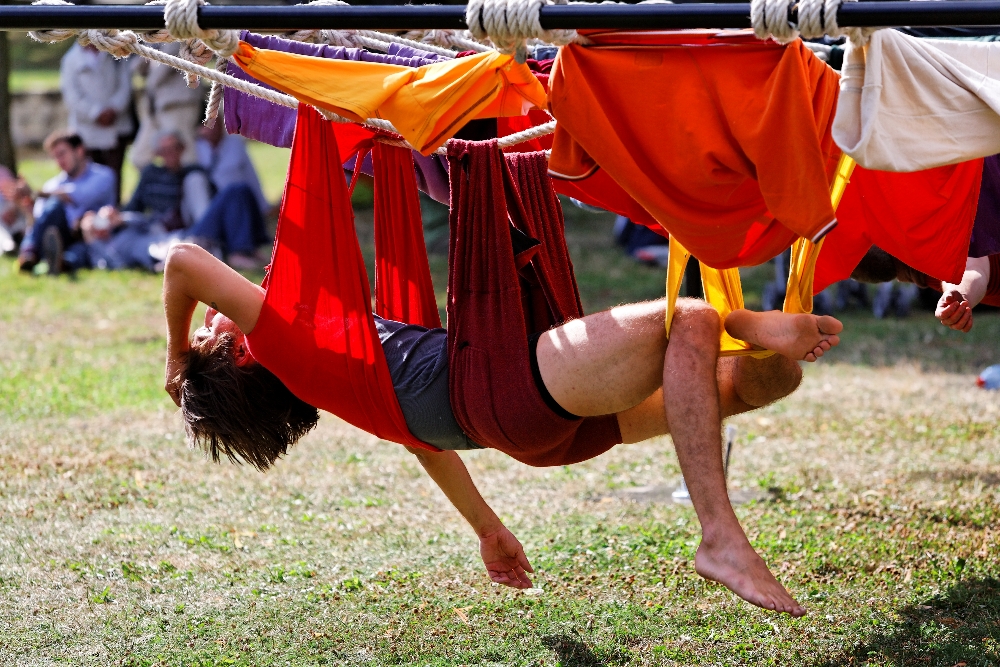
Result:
<point x="724" y="291"/>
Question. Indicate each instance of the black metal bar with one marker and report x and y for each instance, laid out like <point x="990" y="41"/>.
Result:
<point x="423" y="17"/>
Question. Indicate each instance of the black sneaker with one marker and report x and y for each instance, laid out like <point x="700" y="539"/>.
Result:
<point x="52" y="250"/>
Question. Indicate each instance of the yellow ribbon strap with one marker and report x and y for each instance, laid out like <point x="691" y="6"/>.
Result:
<point x="724" y="291"/>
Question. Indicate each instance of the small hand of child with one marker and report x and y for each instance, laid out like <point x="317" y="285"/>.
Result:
<point x="954" y="311"/>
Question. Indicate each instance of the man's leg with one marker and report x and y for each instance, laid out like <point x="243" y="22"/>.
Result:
<point x="745" y="384"/>
<point x="691" y="398"/>
<point x="53" y="215"/>
<point x="609" y="363"/>
<point x="233" y="220"/>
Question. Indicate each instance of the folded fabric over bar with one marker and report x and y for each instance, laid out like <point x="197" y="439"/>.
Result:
<point x="270" y="123"/>
<point x="427" y="105"/>
<point x="924" y="218"/>
<point x="498" y="298"/>
<point x="908" y="104"/>
<point x="724" y="140"/>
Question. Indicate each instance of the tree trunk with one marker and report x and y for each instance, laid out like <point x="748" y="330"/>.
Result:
<point x="7" y="155"/>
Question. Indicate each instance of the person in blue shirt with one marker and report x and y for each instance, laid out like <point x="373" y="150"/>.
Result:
<point x="82" y="186"/>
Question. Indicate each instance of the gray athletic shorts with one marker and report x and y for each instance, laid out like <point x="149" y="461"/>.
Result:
<point x="418" y="365"/>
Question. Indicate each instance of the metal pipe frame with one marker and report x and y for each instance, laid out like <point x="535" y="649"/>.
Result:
<point x="884" y="13"/>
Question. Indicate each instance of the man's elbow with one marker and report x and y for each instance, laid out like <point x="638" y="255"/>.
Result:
<point x="181" y="256"/>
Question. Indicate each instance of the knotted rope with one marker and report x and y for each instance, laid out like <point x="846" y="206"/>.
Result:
<point x="181" y="17"/>
<point x="121" y="44"/>
<point x="509" y="24"/>
<point x="816" y="18"/>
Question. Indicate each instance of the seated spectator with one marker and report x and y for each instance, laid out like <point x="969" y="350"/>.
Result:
<point x="172" y="203"/>
<point x="82" y="186"/>
<point x="224" y="158"/>
<point x="15" y="210"/>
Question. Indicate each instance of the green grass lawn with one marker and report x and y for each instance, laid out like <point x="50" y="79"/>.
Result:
<point x="877" y="486"/>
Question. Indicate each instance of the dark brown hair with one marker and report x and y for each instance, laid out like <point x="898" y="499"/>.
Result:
<point x="62" y="136"/>
<point x="877" y="266"/>
<point x="243" y="413"/>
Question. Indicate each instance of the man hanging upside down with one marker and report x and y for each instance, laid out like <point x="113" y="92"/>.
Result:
<point x="617" y="362"/>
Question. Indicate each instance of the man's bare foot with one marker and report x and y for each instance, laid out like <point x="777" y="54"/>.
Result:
<point x="801" y="337"/>
<point x="732" y="562"/>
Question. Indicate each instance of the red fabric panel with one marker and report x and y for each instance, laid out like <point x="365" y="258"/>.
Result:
<point x="316" y="332"/>
<point x="493" y="393"/>
<point x="403" y="288"/>
<point x="923" y="218"/>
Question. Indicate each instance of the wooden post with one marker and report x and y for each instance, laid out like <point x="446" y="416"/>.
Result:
<point x="8" y="158"/>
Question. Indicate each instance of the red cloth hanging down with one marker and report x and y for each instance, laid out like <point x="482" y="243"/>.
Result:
<point x="491" y="314"/>
<point x="923" y="218"/>
<point x="403" y="288"/>
<point x="316" y="332"/>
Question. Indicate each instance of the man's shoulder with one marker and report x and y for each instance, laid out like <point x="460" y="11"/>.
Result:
<point x="102" y="171"/>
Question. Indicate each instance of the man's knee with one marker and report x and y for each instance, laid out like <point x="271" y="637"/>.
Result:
<point x="696" y="321"/>
<point x="759" y="382"/>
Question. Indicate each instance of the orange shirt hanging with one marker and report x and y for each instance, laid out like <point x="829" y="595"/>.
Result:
<point x="426" y="104"/>
<point x="723" y="139"/>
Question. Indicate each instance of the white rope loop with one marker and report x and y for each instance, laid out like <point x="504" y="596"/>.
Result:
<point x="509" y="24"/>
<point x="772" y="19"/>
<point x="181" y="17"/>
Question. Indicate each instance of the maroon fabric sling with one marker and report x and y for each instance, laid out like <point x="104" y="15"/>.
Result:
<point x="496" y="300"/>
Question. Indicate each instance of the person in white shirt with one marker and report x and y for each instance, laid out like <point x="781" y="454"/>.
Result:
<point x="97" y="92"/>
<point x="170" y="107"/>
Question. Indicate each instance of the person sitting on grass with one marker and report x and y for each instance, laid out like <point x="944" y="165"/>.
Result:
<point x="617" y="362"/>
<point x="171" y="203"/>
<point x="82" y="186"/>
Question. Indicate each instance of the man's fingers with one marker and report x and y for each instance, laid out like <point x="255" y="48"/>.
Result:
<point x="523" y="560"/>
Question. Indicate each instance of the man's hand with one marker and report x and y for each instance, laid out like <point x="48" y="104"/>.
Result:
<point x="954" y="311"/>
<point x="504" y="558"/>
<point x="106" y="118"/>
<point x="172" y="384"/>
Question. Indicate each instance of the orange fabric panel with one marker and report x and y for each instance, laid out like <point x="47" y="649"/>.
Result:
<point x="725" y="142"/>
<point x="426" y="104"/>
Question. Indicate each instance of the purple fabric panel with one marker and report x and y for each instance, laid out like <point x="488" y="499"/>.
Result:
<point x="986" y="230"/>
<point x="274" y="124"/>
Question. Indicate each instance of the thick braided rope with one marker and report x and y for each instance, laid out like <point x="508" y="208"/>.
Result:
<point x="352" y="38"/>
<point x="181" y="17"/>
<point x="509" y="24"/>
<point x="503" y="142"/>
<point x="451" y="39"/>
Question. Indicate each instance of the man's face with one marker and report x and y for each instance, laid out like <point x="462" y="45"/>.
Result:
<point x="170" y="150"/>
<point x="217" y="324"/>
<point x="68" y="158"/>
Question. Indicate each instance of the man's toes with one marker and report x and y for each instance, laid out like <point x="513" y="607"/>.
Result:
<point x="829" y="325"/>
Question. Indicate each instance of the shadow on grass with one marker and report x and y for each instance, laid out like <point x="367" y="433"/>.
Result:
<point x="571" y="652"/>
<point x="959" y="627"/>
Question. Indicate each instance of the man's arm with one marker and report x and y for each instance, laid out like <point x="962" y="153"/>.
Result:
<point x="955" y="306"/>
<point x="193" y="275"/>
<point x="502" y="554"/>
